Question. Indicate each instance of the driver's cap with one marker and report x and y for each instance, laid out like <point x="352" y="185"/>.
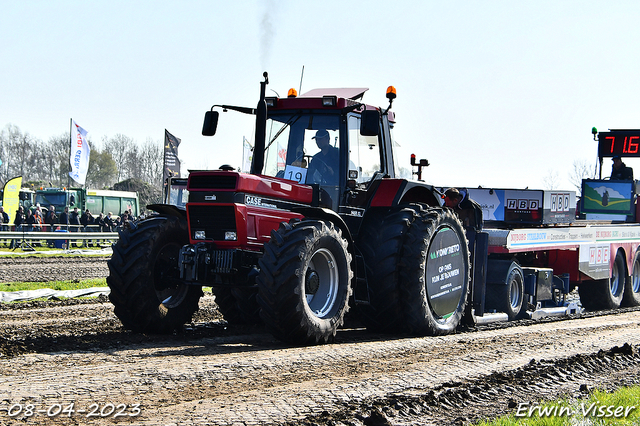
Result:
<point x="321" y="134"/>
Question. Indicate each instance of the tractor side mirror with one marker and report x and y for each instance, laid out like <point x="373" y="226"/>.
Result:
<point x="370" y="123"/>
<point x="210" y="123"/>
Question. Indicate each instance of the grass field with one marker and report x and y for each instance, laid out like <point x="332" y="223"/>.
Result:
<point x="56" y="285"/>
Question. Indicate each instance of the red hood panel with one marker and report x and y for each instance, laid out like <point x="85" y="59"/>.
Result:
<point x="260" y="185"/>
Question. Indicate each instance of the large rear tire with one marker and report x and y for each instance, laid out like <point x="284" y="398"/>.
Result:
<point x="632" y="288"/>
<point x="435" y="273"/>
<point x="305" y="282"/>
<point x="381" y="243"/>
<point x="607" y="293"/>
<point x="144" y="277"/>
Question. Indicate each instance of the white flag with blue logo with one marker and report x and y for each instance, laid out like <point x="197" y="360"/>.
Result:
<point x="79" y="153"/>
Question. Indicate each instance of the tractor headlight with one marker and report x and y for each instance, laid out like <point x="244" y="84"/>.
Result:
<point x="230" y="236"/>
<point x="199" y="235"/>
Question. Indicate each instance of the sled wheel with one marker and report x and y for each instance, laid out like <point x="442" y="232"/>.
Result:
<point x="607" y="293"/>
<point x="508" y="296"/>
<point x="632" y="288"/>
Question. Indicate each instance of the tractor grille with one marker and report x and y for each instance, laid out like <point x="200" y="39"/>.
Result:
<point x="213" y="182"/>
<point x="213" y="220"/>
<point x="222" y="261"/>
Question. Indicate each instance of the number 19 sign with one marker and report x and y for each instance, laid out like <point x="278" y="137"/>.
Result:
<point x="297" y="174"/>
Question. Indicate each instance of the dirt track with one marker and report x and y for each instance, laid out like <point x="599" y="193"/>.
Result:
<point x="76" y="352"/>
<point x="41" y="269"/>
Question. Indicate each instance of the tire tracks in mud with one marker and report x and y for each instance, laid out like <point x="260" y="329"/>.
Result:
<point x="213" y="374"/>
<point x="77" y="351"/>
<point x="52" y="268"/>
<point x="500" y="393"/>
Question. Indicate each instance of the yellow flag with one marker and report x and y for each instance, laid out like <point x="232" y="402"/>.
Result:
<point x="11" y="197"/>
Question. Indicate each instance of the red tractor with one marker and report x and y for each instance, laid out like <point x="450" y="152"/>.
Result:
<point x="321" y="223"/>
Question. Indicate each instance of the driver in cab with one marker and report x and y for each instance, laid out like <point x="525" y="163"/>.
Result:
<point x="324" y="165"/>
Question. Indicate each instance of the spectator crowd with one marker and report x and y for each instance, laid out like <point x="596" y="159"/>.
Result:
<point x="34" y="219"/>
<point x="74" y="221"/>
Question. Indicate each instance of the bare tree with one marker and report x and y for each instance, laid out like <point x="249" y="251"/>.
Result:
<point x="151" y="162"/>
<point x="581" y="170"/>
<point x="118" y="146"/>
<point x="56" y="160"/>
<point x="132" y="169"/>
<point x="20" y="153"/>
<point x="136" y="162"/>
<point x="550" y="181"/>
<point x="119" y="158"/>
<point x="5" y="152"/>
<point x="102" y="169"/>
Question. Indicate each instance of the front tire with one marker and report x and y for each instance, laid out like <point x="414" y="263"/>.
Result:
<point x="305" y="282"/>
<point x="144" y="277"/>
<point x="435" y="273"/>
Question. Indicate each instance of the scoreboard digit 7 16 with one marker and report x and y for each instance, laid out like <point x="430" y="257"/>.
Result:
<point x="625" y="143"/>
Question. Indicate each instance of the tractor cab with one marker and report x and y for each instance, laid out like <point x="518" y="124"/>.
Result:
<point x="325" y="138"/>
<point x="318" y="139"/>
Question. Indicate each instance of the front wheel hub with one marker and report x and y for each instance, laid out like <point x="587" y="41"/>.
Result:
<point x="312" y="282"/>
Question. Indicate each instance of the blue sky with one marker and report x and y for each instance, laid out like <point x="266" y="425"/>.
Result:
<point x="493" y="93"/>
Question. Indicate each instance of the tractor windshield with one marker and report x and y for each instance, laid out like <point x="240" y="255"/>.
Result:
<point x="303" y="147"/>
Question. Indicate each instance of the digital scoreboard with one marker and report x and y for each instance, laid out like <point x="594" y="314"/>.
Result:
<point x="625" y="143"/>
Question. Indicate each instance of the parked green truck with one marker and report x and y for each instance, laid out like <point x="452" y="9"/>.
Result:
<point x="96" y="200"/>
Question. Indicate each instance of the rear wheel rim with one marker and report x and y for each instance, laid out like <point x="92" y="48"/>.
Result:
<point x="321" y="296"/>
<point x="515" y="293"/>
<point x="614" y="282"/>
<point x="635" y="279"/>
